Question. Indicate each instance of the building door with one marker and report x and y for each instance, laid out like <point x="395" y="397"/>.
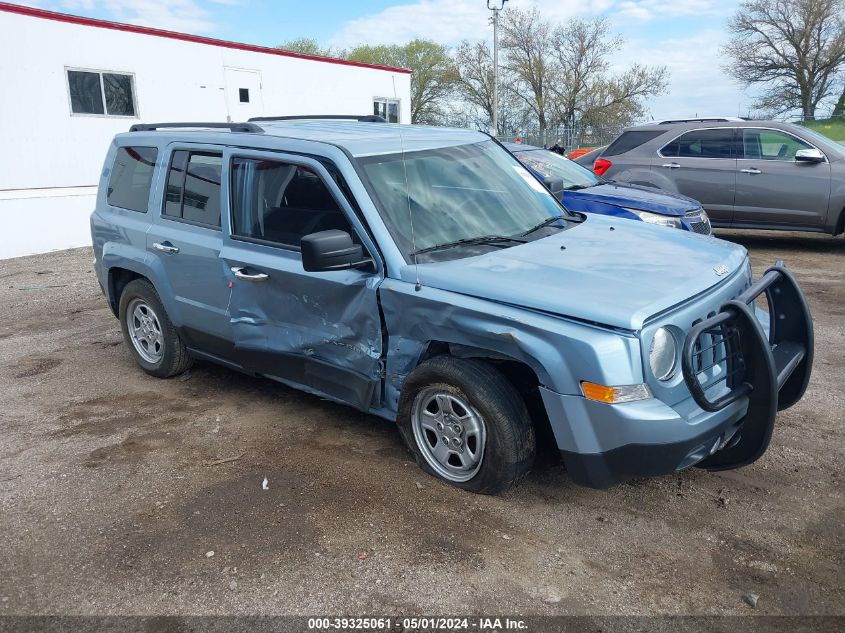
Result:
<point x="243" y="94"/>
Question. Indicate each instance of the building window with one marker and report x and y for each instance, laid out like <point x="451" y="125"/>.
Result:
<point x="387" y="109"/>
<point x="101" y="93"/>
<point x="243" y="95"/>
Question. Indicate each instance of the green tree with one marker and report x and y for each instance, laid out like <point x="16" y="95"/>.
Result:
<point x="308" y="46"/>
<point x="434" y="74"/>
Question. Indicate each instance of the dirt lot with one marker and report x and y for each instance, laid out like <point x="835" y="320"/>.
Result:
<point x="109" y="504"/>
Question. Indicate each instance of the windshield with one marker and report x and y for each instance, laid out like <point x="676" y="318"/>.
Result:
<point x="457" y="193"/>
<point x="554" y="167"/>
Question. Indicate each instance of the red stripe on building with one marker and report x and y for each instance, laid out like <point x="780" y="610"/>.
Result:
<point x="184" y="37"/>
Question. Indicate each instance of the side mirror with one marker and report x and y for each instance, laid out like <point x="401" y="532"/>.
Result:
<point x="331" y="250"/>
<point x="809" y="156"/>
<point x="555" y="185"/>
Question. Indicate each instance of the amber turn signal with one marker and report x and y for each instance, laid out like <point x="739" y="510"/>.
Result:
<point x="614" y="395"/>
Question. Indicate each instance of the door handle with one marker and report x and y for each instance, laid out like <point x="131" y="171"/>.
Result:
<point x="165" y="248"/>
<point x="751" y="170"/>
<point x="238" y="271"/>
<point x="671" y="165"/>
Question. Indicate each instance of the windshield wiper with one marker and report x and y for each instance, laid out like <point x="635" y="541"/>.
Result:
<point x="577" y="187"/>
<point x="546" y="222"/>
<point x="483" y="239"/>
<point x="576" y="218"/>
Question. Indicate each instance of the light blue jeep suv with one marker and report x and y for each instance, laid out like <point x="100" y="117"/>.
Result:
<point x="425" y="276"/>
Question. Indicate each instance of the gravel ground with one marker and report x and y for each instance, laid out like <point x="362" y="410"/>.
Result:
<point x="111" y="505"/>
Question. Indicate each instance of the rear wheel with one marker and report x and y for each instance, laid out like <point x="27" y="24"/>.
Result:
<point x="466" y="424"/>
<point x="148" y="332"/>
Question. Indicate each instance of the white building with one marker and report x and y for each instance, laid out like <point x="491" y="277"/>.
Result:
<point x="69" y="84"/>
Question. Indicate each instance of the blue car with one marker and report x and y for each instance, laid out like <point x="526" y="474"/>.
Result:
<point x="581" y="190"/>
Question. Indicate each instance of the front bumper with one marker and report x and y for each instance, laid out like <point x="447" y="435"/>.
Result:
<point x="771" y="370"/>
<point x="726" y="423"/>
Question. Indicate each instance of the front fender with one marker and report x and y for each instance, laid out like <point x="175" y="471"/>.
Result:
<point x="561" y="352"/>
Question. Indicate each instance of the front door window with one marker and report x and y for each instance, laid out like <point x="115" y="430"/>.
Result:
<point x="770" y="145"/>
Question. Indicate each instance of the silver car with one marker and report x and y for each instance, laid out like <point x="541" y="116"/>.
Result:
<point x="747" y="174"/>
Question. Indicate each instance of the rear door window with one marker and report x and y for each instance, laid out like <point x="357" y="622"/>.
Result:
<point x="131" y="178"/>
<point x="193" y="188"/>
<point x="631" y="140"/>
<point x="712" y="143"/>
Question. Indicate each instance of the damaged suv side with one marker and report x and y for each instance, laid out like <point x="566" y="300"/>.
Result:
<point x="425" y="276"/>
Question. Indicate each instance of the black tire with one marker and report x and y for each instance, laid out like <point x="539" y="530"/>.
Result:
<point x="175" y="358"/>
<point x="510" y="446"/>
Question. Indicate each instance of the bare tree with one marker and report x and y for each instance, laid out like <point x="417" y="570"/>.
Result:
<point x="793" y="47"/>
<point x="527" y="41"/>
<point x="474" y="65"/>
<point x="584" y="89"/>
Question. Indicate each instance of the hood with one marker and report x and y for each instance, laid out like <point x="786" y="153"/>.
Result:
<point x="634" y="197"/>
<point x="617" y="277"/>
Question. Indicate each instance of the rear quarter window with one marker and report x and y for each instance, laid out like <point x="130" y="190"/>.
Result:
<point x="630" y="140"/>
<point x="131" y="178"/>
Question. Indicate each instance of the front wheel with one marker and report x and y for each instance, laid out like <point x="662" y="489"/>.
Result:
<point x="466" y="424"/>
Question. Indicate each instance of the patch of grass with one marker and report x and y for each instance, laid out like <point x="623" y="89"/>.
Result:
<point x="831" y="128"/>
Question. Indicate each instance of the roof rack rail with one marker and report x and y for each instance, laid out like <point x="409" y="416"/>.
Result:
<point x="367" y="118"/>
<point x="707" y="119"/>
<point x="233" y="127"/>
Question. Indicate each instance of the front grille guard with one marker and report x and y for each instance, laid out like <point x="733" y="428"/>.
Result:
<point x="772" y="371"/>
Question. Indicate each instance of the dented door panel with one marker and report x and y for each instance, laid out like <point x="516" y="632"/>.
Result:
<point x="321" y="332"/>
<point x="317" y="330"/>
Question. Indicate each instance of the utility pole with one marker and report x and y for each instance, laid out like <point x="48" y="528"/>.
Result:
<point x="496" y="6"/>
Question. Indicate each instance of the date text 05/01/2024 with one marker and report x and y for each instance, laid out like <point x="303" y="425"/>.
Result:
<point x="422" y="624"/>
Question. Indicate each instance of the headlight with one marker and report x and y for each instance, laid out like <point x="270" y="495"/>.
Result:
<point x="656" y="218"/>
<point x="698" y="222"/>
<point x="663" y="354"/>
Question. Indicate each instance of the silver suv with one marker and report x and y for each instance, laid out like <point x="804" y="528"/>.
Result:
<point x="746" y="174"/>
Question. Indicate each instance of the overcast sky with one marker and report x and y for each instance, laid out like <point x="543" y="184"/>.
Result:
<point x="684" y="35"/>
